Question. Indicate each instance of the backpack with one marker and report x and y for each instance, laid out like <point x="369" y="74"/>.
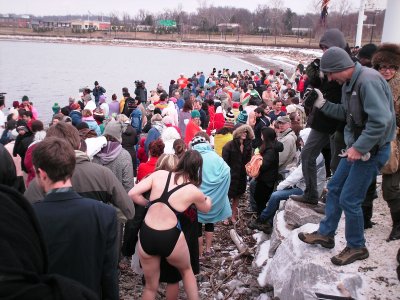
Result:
<point x="253" y="166"/>
<point x="136" y="120"/>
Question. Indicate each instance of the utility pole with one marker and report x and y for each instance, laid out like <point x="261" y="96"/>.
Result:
<point x="360" y="23"/>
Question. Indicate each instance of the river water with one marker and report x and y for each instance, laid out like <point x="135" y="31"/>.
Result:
<point x="52" y="72"/>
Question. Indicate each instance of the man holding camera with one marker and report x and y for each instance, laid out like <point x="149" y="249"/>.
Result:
<point x="367" y="109"/>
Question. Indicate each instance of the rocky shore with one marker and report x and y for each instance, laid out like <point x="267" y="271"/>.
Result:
<point x="279" y="266"/>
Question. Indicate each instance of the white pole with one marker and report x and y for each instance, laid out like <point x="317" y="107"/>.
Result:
<point x="360" y="23"/>
<point x="391" y="33"/>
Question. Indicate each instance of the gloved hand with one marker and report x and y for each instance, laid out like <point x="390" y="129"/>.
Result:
<point x="320" y="100"/>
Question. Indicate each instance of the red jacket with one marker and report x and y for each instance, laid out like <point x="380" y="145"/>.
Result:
<point x="146" y="168"/>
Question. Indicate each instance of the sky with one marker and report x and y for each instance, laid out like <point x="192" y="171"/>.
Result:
<point x="63" y="7"/>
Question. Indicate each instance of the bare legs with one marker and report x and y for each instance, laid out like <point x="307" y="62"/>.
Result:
<point x="180" y="259"/>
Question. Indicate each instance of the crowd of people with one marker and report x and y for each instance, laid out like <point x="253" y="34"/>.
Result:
<point x="106" y="180"/>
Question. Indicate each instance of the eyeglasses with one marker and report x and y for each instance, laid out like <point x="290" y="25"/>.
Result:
<point x="386" y="68"/>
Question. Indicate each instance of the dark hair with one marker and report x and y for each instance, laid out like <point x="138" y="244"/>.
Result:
<point x="295" y="100"/>
<point x="187" y="106"/>
<point x="27" y="113"/>
<point x="225" y="130"/>
<point x="190" y="167"/>
<point x="269" y="137"/>
<point x="253" y="100"/>
<point x="157" y="110"/>
<point x="138" y="100"/>
<point x="8" y="173"/>
<point x="276" y="101"/>
<point x="156" y="148"/>
<point x="114" y="97"/>
<point x="66" y="132"/>
<point x="37" y="125"/>
<point x="82" y="125"/>
<point x="179" y="147"/>
<point x="260" y="110"/>
<point x="163" y="96"/>
<point x="65" y="110"/>
<point x="126" y="95"/>
<point x="56" y="157"/>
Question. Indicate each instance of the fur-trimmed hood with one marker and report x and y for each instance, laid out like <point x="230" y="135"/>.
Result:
<point x="388" y="54"/>
<point x="242" y="129"/>
<point x="394" y="84"/>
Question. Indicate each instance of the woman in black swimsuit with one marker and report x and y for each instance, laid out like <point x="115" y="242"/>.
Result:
<point x="160" y="234"/>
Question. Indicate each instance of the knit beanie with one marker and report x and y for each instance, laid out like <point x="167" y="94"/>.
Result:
<point x="367" y="51"/>
<point x="197" y="140"/>
<point x="335" y="59"/>
<point x="195" y="114"/>
<point x="229" y="124"/>
<point x="114" y="129"/>
<point x="242" y="117"/>
<point x="230" y="117"/>
<point x="56" y="108"/>
<point x="333" y="38"/>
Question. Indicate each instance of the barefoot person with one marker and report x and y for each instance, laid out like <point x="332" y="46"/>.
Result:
<point x="160" y="234"/>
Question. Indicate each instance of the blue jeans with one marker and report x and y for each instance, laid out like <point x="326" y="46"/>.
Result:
<point x="273" y="203"/>
<point x="346" y="192"/>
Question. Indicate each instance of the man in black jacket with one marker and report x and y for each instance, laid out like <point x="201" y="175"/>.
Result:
<point x="322" y="127"/>
<point x="80" y="233"/>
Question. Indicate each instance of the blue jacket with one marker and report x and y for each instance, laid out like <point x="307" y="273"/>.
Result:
<point x="216" y="179"/>
<point x="81" y="238"/>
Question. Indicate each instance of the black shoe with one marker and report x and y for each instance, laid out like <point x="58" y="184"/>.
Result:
<point x="264" y="227"/>
<point x="395" y="233"/>
<point x="302" y="199"/>
<point x="254" y="224"/>
<point x="317" y="239"/>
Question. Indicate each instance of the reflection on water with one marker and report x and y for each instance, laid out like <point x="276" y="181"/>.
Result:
<point x="50" y="73"/>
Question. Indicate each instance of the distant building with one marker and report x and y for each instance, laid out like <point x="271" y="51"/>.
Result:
<point x="301" y="30"/>
<point x="144" y="28"/>
<point x="49" y="25"/>
<point x="86" y="25"/>
<point x="228" y="26"/>
<point x="15" y="21"/>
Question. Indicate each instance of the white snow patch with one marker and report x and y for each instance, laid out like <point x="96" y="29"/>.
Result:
<point x="262" y="255"/>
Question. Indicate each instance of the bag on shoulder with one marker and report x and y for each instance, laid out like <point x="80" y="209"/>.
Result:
<point x="254" y="165"/>
<point x="392" y="165"/>
<point x="136" y="120"/>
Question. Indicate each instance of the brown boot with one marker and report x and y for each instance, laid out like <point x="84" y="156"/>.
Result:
<point x="317" y="239"/>
<point x="350" y="255"/>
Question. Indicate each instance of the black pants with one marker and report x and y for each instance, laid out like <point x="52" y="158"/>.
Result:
<point x="262" y="194"/>
<point x="131" y="231"/>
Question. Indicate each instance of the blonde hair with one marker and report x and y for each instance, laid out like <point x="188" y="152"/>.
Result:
<point x="167" y="162"/>
<point x="122" y="118"/>
<point x="87" y="113"/>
